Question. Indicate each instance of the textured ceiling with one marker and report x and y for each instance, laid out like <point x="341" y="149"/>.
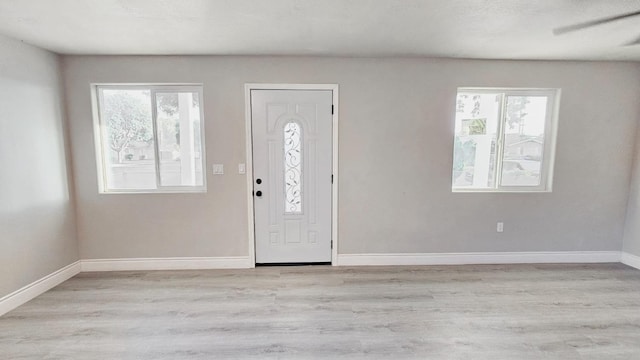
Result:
<point x="490" y="29"/>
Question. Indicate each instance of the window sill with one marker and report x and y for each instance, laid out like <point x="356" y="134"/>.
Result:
<point x="147" y="192"/>
<point x="500" y="191"/>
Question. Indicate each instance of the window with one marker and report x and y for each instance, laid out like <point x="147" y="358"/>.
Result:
<point x="504" y="139"/>
<point x="150" y="138"/>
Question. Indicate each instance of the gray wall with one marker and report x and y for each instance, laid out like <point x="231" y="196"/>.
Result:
<point x="396" y="141"/>
<point x="37" y="220"/>
<point x="632" y="224"/>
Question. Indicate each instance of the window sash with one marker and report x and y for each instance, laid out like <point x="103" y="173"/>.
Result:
<point x="548" y="149"/>
<point x="100" y="132"/>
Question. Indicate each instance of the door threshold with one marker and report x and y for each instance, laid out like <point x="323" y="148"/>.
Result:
<point x="294" y="264"/>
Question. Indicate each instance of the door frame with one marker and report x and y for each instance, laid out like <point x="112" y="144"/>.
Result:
<point x="249" y="161"/>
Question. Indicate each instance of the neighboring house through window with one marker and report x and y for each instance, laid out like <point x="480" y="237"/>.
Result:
<point x="149" y="138"/>
<point x="504" y="139"/>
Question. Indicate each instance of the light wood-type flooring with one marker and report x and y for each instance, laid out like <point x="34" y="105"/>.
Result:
<point x="307" y="312"/>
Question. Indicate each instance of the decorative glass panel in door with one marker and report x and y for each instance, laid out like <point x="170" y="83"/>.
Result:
<point x="292" y="168"/>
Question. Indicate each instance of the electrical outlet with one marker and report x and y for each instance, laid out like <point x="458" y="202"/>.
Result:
<point x="242" y="169"/>
<point x="500" y="226"/>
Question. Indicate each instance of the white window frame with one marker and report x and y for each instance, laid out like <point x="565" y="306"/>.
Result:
<point x="550" y="135"/>
<point x="99" y="129"/>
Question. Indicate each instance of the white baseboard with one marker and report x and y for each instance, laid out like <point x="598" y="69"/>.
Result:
<point x="178" y="263"/>
<point x="38" y="287"/>
<point x="631" y="260"/>
<point x="480" y="258"/>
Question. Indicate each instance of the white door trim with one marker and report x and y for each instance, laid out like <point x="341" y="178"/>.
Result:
<point x="249" y="160"/>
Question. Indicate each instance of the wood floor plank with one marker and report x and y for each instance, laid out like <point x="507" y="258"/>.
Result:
<point x="556" y="311"/>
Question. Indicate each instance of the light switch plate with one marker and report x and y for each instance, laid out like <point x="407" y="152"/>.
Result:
<point x="218" y="169"/>
<point x="242" y="169"/>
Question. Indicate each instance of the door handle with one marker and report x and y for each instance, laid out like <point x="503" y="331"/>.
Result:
<point x="258" y="193"/>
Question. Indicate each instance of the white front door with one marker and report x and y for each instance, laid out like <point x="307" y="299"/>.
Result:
<point x="292" y="154"/>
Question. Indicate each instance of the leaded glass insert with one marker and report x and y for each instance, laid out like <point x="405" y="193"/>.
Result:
<point x="292" y="168"/>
